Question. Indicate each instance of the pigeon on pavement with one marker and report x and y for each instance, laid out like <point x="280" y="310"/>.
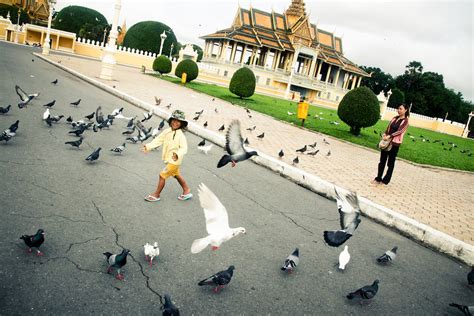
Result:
<point x="5" y="110"/>
<point x="117" y="261"/>
<point x="219" y="280"/>
<point x="344" y="258"/>
<point x="157" y="100"/>
<point x="202" y="143"/>
<point x="151" y="251"/>
<point x="251" y="129"/>
<point x="246" y="141"/>
<point x="78" y="132"/>
<point x="34" y="241"/>
<point x="147" y="116"/>
<point x="313" y="153"/>
<point x="94" y="156"/>
<point x="205" y="124"/>
<point x="119" y="149"/>
<point x="75" y="143"/>
<point x="76" y="103"/>
<point x="466" y="310"/>
<point x="69" y="119"/>
<point x="46" y="114"/>
<point x="366" y="293"/>
<point x="200" y="112"/>
<point x="14" y="126"/>
<point x="296" y="161"/>
<point x="281" y="153"/>
<point x="221" y="128"/>
<point x="129" y="132"/>
<point x="162" y="124"/>
<point x="349" y="218"/>
<point x="261" y="136"/>
<point x="90" y="116"/>
<point x="56" y="118"/>
<point x="234" y="147"/>
<point x="313" y="145"/>
<point x="55" y="82"/>
<point x="302" y="150"/>
<point x="217" y="222"/>
<point x="169" y="309"/>
<point x="388" y="256"/>
<point x="291" y="261"/>
<point x="50" y="104"/>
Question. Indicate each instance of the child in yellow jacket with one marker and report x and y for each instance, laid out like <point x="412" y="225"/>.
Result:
<point x="174" y="148"/>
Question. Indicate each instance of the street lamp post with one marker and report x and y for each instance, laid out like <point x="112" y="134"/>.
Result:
<point x="466" y="128"/>
<point x="163" y="37"/>
<point x="17" y="26"/>
<point x="171" y="50"/>
<point x="46" y="45"/>
<point x="108" y="60"/>
<point x="105" y="32"/>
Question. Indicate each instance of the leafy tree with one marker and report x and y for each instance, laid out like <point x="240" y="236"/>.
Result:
<point x="359" y="108"/>
<point x="5" y="8"/>
<point x="199" y="51"/>
<point x="397" y="98"/>
<point x="85" y="22"/>
<point x="378" y="81"/>
<point x="146" y="36"/>
<point x="162" y="64"/>
<point x="243" y="83"/>
<point x="189" y="67"/>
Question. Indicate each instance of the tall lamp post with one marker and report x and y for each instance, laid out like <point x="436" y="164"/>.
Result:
<point x="171" y="50"/>
<point x="46" y="45"/>
<point x="108" y="60"/>
<point x="17" y="25"/>
<point x="163" y="37"/>
<point x="466" y="128"/>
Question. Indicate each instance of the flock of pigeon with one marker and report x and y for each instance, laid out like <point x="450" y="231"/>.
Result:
<point x="215" y="213"/>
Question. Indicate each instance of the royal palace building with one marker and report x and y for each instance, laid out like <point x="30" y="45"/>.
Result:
<point x="290" y="56"/>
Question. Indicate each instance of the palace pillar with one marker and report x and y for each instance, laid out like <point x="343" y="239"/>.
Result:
<point x="337" y="77"/>
<point x="359" y="81"/>
<point x="328" y="73"/>
<point x="232" y="54"/>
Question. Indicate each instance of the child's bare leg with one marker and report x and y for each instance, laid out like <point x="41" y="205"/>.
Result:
<point x="183" y="184"/>
<point x="159" y="188"/>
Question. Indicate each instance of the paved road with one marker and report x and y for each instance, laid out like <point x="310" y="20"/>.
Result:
<point x="88" y="209"/>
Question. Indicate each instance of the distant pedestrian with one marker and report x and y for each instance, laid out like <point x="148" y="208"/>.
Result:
<point x="394" y="133"/>
<point x="174" y="148"/>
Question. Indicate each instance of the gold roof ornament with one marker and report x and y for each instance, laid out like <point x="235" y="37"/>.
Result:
<point x="297" y="7"/>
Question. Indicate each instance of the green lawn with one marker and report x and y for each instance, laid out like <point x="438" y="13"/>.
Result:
<point x="441" y="153"/>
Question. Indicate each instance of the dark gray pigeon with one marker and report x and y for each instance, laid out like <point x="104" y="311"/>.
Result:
<point x="76" y="103"/>
<point x="117" y="261"/>
<point x="75" y="143"/>
<point x="162" y="124"/>
<point x="221" y="128"/>
<point x="169" y="309"/>
<point x="313" y="145"/>
<point x="219" y="280"/>
<point x="119" y="149"/>
<point x="291" y="261"/>
<point x="281" y="153"/>
<point x="205" y="124"/>
<point x="349" y="218"/>
<point x="55" y="82"/>
<point x="366" y="293"/>
<point x="34" y="241"/>
<point x="129" y="132"/>
<point x="246" y="141"/>
<point x="90" y="116"/>
<point x="466" y="310"/>
<point x="5" y="110"/>
<point x="202" y="143"/>
<point x="94" y="156"/>
<point x="296" y="161"/>
<point x="50" y="104"/>
<point x="313" y="153"/>
<point x="302" y="150"/>
<point x="234" y="147"/>
<point x="388" y="256"/>
<point x="261" y="136"/>
<point x="10" y="132"/>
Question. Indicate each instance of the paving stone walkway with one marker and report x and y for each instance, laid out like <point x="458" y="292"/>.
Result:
<point x="442" y="199"/>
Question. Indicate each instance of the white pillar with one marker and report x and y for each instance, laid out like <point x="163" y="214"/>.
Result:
<point x="108" y="61"/>
<point x="313" y="65"/>
<point x="292" y="70"/>
<point x="466" y="128"/>
<point x="46" y="45"/>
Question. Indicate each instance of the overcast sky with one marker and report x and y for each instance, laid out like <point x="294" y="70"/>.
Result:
<point x="384" y="34"/>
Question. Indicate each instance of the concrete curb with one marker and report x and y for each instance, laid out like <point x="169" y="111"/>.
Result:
<point x="415" y="230"/>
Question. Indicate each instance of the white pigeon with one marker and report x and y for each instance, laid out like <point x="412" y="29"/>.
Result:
<point x="116" y="112"/>
<point x="205" y="149"/>
<point x="120" y="116"/>
<point x="344" y="258"/>
<point x="290" y="113"/>
<point x="151" y="252"/>
<point x="217" y="222"/>
<point x="46" y="114"/>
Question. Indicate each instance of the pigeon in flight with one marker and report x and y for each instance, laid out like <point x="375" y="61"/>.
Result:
<point x="129" y="132"/>
<point x="366" y="293"/>
<point x="117" y="261"/>
<point x="119" y="149"/>
<point x="75" y="143"/>
<point x="349" y="218"/>
<point x="281" y="153"/>
<point x="344" y="258"/>
<point x="219" y="280"/>
<point x="24" y="97"/>
<point x="470" y="277"/>
<point x="76" y="103"/>
<point x="99" y="116"/>
<point x="217" y="222"/>
<point x="94" y="156"/>
<point x="116" y="112"/>
<point x="55" y="82"/>
<point x="131" y="123"/>
<point x="388" y="256"/>
<point x="169" y="308"/>
<point x="147" y="116"/>
<point x="466" y="310"/>
<point x="221" y="128"/>
<point x="291" y="261"/>
<point x="302" y="150"/>
<point x="296" y="161"/>
<point x="261" y="136"/>
<point x="5" y="110"/>
<point x="151" y="251"/>
<point x="234" y="147"/>
<point x="205" y="149"/>
<point x="162" y="124"/>
<point x="50" y="104"/>
<point x="34" y="241"/>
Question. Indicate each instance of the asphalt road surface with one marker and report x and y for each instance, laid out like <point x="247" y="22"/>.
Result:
<point x="87" y="209"/>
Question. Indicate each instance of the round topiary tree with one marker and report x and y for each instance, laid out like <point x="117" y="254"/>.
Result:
<point x="146" y="36"/>
<point x="397" y="98"/>
<point x="359" y="108"/>
<point x="162" y="64"/>
<point x="243" y="83"/>
<point x="189" y="67"/>
<point x="5" y="8"/>
<point x="85" y="22"/>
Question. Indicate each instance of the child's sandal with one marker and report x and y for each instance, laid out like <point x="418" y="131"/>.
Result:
<point x="184" y="197"/>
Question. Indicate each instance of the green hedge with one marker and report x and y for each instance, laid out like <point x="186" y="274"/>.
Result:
<point x="146" y="36"/>
<point x="397" y="98"/>
<point x="162" y="64"/>
<point x="243" y="83"/>
<point x="189" y="67"/>
<point x="359" y="108"/>
<point x="85" y="22"/>
<point x="5" y="8"/>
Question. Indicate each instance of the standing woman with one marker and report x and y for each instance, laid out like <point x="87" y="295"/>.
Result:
<point x="394" y="133"/>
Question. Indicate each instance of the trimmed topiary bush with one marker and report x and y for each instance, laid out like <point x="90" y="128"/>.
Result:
<point x="243" y="83"/>
<point x="146" y="36"/>
<point x="397" y="98"/>
<point x="162" y="64"/>
<point x="85" y="22"/>
<point x="189" y="67"/>
<point x="5" y="8"/>
<point x="359" y="108"/>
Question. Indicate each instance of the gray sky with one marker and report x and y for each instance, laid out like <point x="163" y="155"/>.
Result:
<point x="384" y="34"/>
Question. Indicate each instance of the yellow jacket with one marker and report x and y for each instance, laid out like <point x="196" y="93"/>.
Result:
<point x="173" y="142"/>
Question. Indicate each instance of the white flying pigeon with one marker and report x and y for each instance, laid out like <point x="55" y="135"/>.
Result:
<point x="205" y="149"/>
<point x="147" y="116"/>
<point x="349" y="218"/>
<point x="151" y="252"/>
<point x="344" y="258"/>
<point x="217" y="222"/>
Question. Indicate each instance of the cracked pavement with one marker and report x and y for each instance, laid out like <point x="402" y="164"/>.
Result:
<point x="87" y="209"/>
